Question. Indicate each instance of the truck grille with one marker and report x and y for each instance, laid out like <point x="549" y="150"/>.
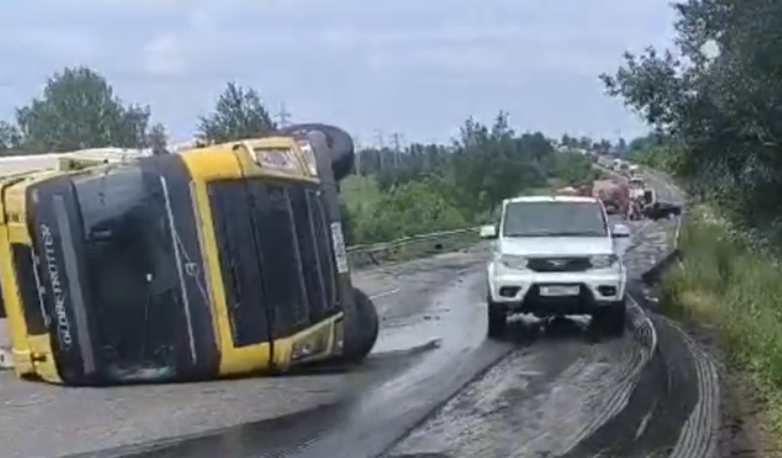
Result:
<point x="313" y="238"/>
<point x="566" y="264"/>
<point x="275" y="257"/>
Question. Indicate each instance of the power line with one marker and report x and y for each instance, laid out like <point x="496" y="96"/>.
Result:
<point x="380" y="147"/>
<point x="357" y="149"/>
<point x="283" y="116"/>
<point x="396" y="138"/>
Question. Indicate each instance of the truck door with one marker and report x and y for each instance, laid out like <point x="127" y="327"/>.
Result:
<point x="260" y="256"/>
<point x="282" y="253"/>
<point x="242" y="269"/>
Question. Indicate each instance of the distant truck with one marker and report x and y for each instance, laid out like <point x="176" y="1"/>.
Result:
<point x="630" y="198"/>
<point x="637" y="186"/>
<point x="615" y="194"/>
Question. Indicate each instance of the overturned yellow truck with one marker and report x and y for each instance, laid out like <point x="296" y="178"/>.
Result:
<point x="216" y="261"/>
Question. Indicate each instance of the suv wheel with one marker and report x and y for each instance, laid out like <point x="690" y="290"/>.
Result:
<point x="498" y="320"/>
<point x="610" y="319"/>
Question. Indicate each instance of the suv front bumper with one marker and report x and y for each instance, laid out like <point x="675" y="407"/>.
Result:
<point x="524" y="291"/>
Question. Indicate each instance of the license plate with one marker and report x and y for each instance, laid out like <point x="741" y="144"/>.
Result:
<point x="559" y="291"/>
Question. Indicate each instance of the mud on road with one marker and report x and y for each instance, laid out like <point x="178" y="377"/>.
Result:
<point x="559" y="392"/>
<point x="573" y="397"/>
<point x="39" y="420"/>
<point x="562" y="391"/>
<point x="539" y="401"/>
<point x="550" y="397"/>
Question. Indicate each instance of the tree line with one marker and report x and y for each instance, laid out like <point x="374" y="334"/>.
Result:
<point x="79" y="109"/>
<point x="419" y="188"/>
<point x="444" y="186"/>
<point x="715" y="101"/>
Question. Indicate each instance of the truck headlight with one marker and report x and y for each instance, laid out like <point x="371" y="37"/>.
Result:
<point x="604" y="261"/>
<point x="312" y="345"/>
<point x="514" y="262"/>
<point x="339" y="337"/>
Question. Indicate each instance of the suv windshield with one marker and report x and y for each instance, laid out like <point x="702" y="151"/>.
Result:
<point x="131" y="265"/>
<point x="554" y="219"/>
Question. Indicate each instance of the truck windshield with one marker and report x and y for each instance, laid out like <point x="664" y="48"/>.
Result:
<point x="554" y="219"/>
<point x="131" y="267"/>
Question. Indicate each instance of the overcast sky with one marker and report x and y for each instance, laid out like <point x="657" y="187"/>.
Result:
<point x="419" y="67"/>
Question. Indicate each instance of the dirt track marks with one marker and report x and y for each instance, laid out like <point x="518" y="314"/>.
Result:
<point x="537" y="402"/>
<point x="561" y="397"/>
<point x="698" y="438"/>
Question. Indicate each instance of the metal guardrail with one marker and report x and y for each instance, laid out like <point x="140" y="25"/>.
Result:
<point x="423" y="245"/>
<point x="411" y="247"/>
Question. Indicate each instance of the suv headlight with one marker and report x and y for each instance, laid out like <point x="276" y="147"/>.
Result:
<point x="604" y="261"/>
<point x="513" y="262"/>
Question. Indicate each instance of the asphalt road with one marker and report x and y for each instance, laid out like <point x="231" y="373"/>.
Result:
<point x="567" y="395"/>
<point x="38" y="420"/>
<point x="558" y="392"/>
<point x="434" y="388"/>
<point x="556" y="395"/>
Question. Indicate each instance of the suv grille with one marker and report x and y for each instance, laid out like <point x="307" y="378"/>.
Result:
<point x="560" y="264"/>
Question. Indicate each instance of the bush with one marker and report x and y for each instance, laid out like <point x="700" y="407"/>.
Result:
<point x="408" y="209"/>
<point x="571" y="168"/>
<point x="431" y="188"/>
<point x="728" y="281"/>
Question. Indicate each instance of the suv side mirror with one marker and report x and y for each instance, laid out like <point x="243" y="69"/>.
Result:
<point x="489" y="232"/>
<point x="620" y="231"/>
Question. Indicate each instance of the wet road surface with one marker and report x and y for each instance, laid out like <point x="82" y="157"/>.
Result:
<point x="560" y="392"/>
<point x="576" y="398"/>
<point x="437" y="311"/>
<point x="550" y="392"/>
<point x="540" y="401"/>
<point x="38" y="420"/>
<point x="545" y="398"/>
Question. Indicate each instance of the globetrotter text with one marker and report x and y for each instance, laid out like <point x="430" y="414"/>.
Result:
<point x="58" y="292"/>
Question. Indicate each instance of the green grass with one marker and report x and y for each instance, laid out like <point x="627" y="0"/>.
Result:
<point x="726" y="284"/>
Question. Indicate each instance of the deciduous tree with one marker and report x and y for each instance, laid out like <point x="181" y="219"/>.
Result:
<point x="238" y="113"/>
<point x="79" y="109"/>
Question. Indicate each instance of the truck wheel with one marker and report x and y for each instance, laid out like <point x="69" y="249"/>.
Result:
<point x="362" y="327"/>
<point x="610" y="319"/>
<point x="498" y="321"/>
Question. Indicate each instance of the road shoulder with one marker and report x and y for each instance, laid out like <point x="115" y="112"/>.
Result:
<point x="743" y="430"/>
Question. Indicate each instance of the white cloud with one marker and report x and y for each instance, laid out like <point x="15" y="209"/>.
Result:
<point x="163" y="57"/>
<point x="402" y="64"/>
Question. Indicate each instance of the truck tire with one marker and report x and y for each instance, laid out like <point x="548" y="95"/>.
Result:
<point x="362" y="326"/>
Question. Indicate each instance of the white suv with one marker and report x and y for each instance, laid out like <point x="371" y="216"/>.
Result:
<point x="555" y="256"/>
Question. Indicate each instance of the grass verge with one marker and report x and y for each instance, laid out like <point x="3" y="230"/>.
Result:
<point x="726" y="283"/>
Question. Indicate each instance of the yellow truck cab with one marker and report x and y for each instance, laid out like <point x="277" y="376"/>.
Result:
<point x="214" y="261"/>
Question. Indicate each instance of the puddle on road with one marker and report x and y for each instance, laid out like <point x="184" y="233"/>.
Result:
<point x="404" y="400"/>
<point x="406" y="337"/>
